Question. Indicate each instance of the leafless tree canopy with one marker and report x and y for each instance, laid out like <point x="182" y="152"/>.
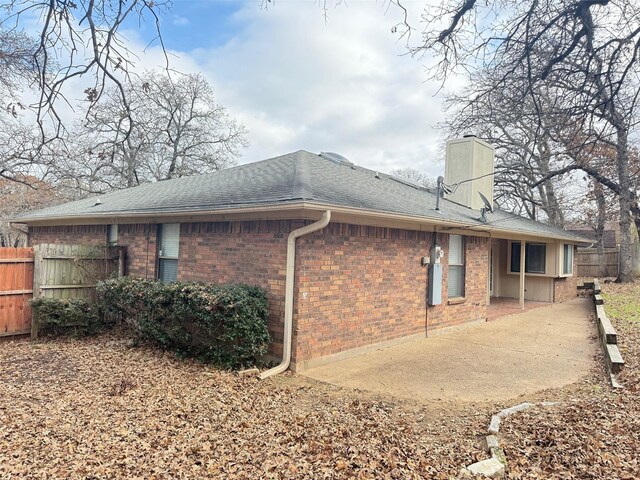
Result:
<point x="17" y="67"/>
<point x="583" y="52"/>
<point x="75" y="38"/>
<point x="171" y="127"/>
<point x="415" y="176"/>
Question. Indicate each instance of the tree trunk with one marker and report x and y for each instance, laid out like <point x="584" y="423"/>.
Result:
<point x="547" y="191"/>
<point x="601" y="220"/>
<point x="625" y="201"/>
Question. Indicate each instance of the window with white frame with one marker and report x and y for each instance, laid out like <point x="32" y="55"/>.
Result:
<point x="535" y="260"/>
<point x="112" y="234"/>
<point x="455" y="281"/>
<point x="168" y="249"/>
<point x="567" y="259"/>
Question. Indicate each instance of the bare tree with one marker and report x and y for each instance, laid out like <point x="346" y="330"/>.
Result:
<point x="587" y="50"/>
<point x="525" y="143"/>
<point x="415" y="176"/>
<point x="20" y="195"/>
<point x="17" y="68"/>
<point x="77" y="39"/>
<point x="174" y="128"/>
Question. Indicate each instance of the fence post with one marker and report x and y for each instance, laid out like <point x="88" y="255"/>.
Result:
<point x="37" y="263"/>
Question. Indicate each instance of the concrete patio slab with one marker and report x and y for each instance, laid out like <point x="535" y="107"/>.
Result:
<point x="542" y="348"/>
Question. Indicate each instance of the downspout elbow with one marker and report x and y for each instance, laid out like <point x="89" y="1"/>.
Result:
<point x="288" y="297"/>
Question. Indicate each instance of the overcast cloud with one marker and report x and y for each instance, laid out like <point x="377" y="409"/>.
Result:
<point x="297" y="82"/>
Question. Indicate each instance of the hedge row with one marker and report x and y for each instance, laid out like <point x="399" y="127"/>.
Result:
<point x="223" y="324"/>
<point x="61" y="316"/>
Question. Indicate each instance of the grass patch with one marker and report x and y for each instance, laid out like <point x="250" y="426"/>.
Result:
<point x="622" y="302"/>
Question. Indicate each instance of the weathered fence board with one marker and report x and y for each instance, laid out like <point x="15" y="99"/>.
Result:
<point x="71" y="271"/>
<point x="590" y="264"/>
<point x="16" y="289"/>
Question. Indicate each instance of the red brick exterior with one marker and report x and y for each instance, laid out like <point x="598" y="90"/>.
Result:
<point x="359" y="285"/>
<point x="141" y="241"/>
<point x="355" y="285"/>
<point x="75" y="234"/>
<point x="240" y="252"/>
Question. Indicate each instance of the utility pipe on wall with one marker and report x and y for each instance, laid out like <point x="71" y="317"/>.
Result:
<point x="288" y="294"/>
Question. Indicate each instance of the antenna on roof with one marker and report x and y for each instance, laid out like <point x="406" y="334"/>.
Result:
<point x="487" y="208"/>
<point x="439" y="190"/>
<point x="487" y="204"/>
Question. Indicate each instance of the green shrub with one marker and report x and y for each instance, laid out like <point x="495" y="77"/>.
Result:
<point x="223" y="324"/>
<point x="61" y="316"/>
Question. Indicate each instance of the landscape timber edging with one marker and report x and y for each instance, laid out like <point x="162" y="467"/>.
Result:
<point x="608" y="337"/>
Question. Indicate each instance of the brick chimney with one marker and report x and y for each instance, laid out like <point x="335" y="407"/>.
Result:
<point x="466" y="159"/>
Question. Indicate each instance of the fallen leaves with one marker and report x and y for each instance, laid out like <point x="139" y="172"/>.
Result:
<point x="95" y="409"/>
<point x="595" y="432"/>
<point x="99" y="409"/>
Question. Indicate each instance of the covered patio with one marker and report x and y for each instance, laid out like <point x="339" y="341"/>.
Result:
<point x="501" y="307"/>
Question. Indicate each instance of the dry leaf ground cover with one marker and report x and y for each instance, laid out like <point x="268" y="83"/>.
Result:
<point x="97" y="409"/>
<point x="595" y="432"/>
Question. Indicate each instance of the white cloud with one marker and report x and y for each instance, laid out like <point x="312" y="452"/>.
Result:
<point x="297" y="82"/>
<point x="179" y="21"/>
<point x="345" y="86"/>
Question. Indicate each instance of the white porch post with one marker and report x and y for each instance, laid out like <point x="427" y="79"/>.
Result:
<point x="523" y="251"/>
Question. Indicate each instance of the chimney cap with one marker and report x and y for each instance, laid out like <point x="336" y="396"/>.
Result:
<point x="469" y="135"/>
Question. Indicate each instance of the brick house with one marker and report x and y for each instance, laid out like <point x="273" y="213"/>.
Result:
<point x="372" y="259"/>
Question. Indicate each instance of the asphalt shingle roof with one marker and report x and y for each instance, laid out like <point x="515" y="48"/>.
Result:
<point x="291" y="178"/>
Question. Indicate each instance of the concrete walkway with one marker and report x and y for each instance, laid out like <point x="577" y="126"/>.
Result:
<point x="499" y="360"/>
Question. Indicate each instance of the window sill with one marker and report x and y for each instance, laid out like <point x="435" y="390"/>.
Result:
<point x="456" y="300"/>
<point x="530" y="274"/>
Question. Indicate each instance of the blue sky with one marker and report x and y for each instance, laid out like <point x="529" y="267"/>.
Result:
<point x="197" y="24"/>
<point x="297" y="81"/>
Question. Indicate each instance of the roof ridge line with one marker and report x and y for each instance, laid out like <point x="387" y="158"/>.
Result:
<point x="302" y="186"/>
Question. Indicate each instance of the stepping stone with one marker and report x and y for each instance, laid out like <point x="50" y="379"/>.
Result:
<point x="494" y="426"/>
<point x="517" y="408"/>
<point x="490" y="468"/>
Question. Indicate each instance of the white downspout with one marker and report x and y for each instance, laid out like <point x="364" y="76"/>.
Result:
<point x="288" y="294"/>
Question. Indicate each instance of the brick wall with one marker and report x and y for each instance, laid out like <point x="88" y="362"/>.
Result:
<point x="355" y="285"/>
<point x="359" y="285"/>
<point x="240" y="252"/>
<point x="72" y="234"/>
<point x="141" y="242"/>
<point x="566" y="288"/>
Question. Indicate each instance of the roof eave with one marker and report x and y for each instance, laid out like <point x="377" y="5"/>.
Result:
<point x="311" y="207"/>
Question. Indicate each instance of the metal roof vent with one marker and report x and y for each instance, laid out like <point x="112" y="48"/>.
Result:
<point x="336" y="158"/>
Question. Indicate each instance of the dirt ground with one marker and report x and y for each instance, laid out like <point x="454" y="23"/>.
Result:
<point x="98" y="409"/>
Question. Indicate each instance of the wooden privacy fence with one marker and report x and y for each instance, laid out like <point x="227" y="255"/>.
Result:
<point x="16" y="289"/>
<point x="71" y="271"/>
<point x="590" y="264"/>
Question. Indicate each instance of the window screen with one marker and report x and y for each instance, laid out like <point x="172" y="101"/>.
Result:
<point x="567" y="266"/>
<point x="112" y="234"/>
<point x="455" y="281"/>
<point x="168" y="249"/>
<point x="535" y="260"/>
